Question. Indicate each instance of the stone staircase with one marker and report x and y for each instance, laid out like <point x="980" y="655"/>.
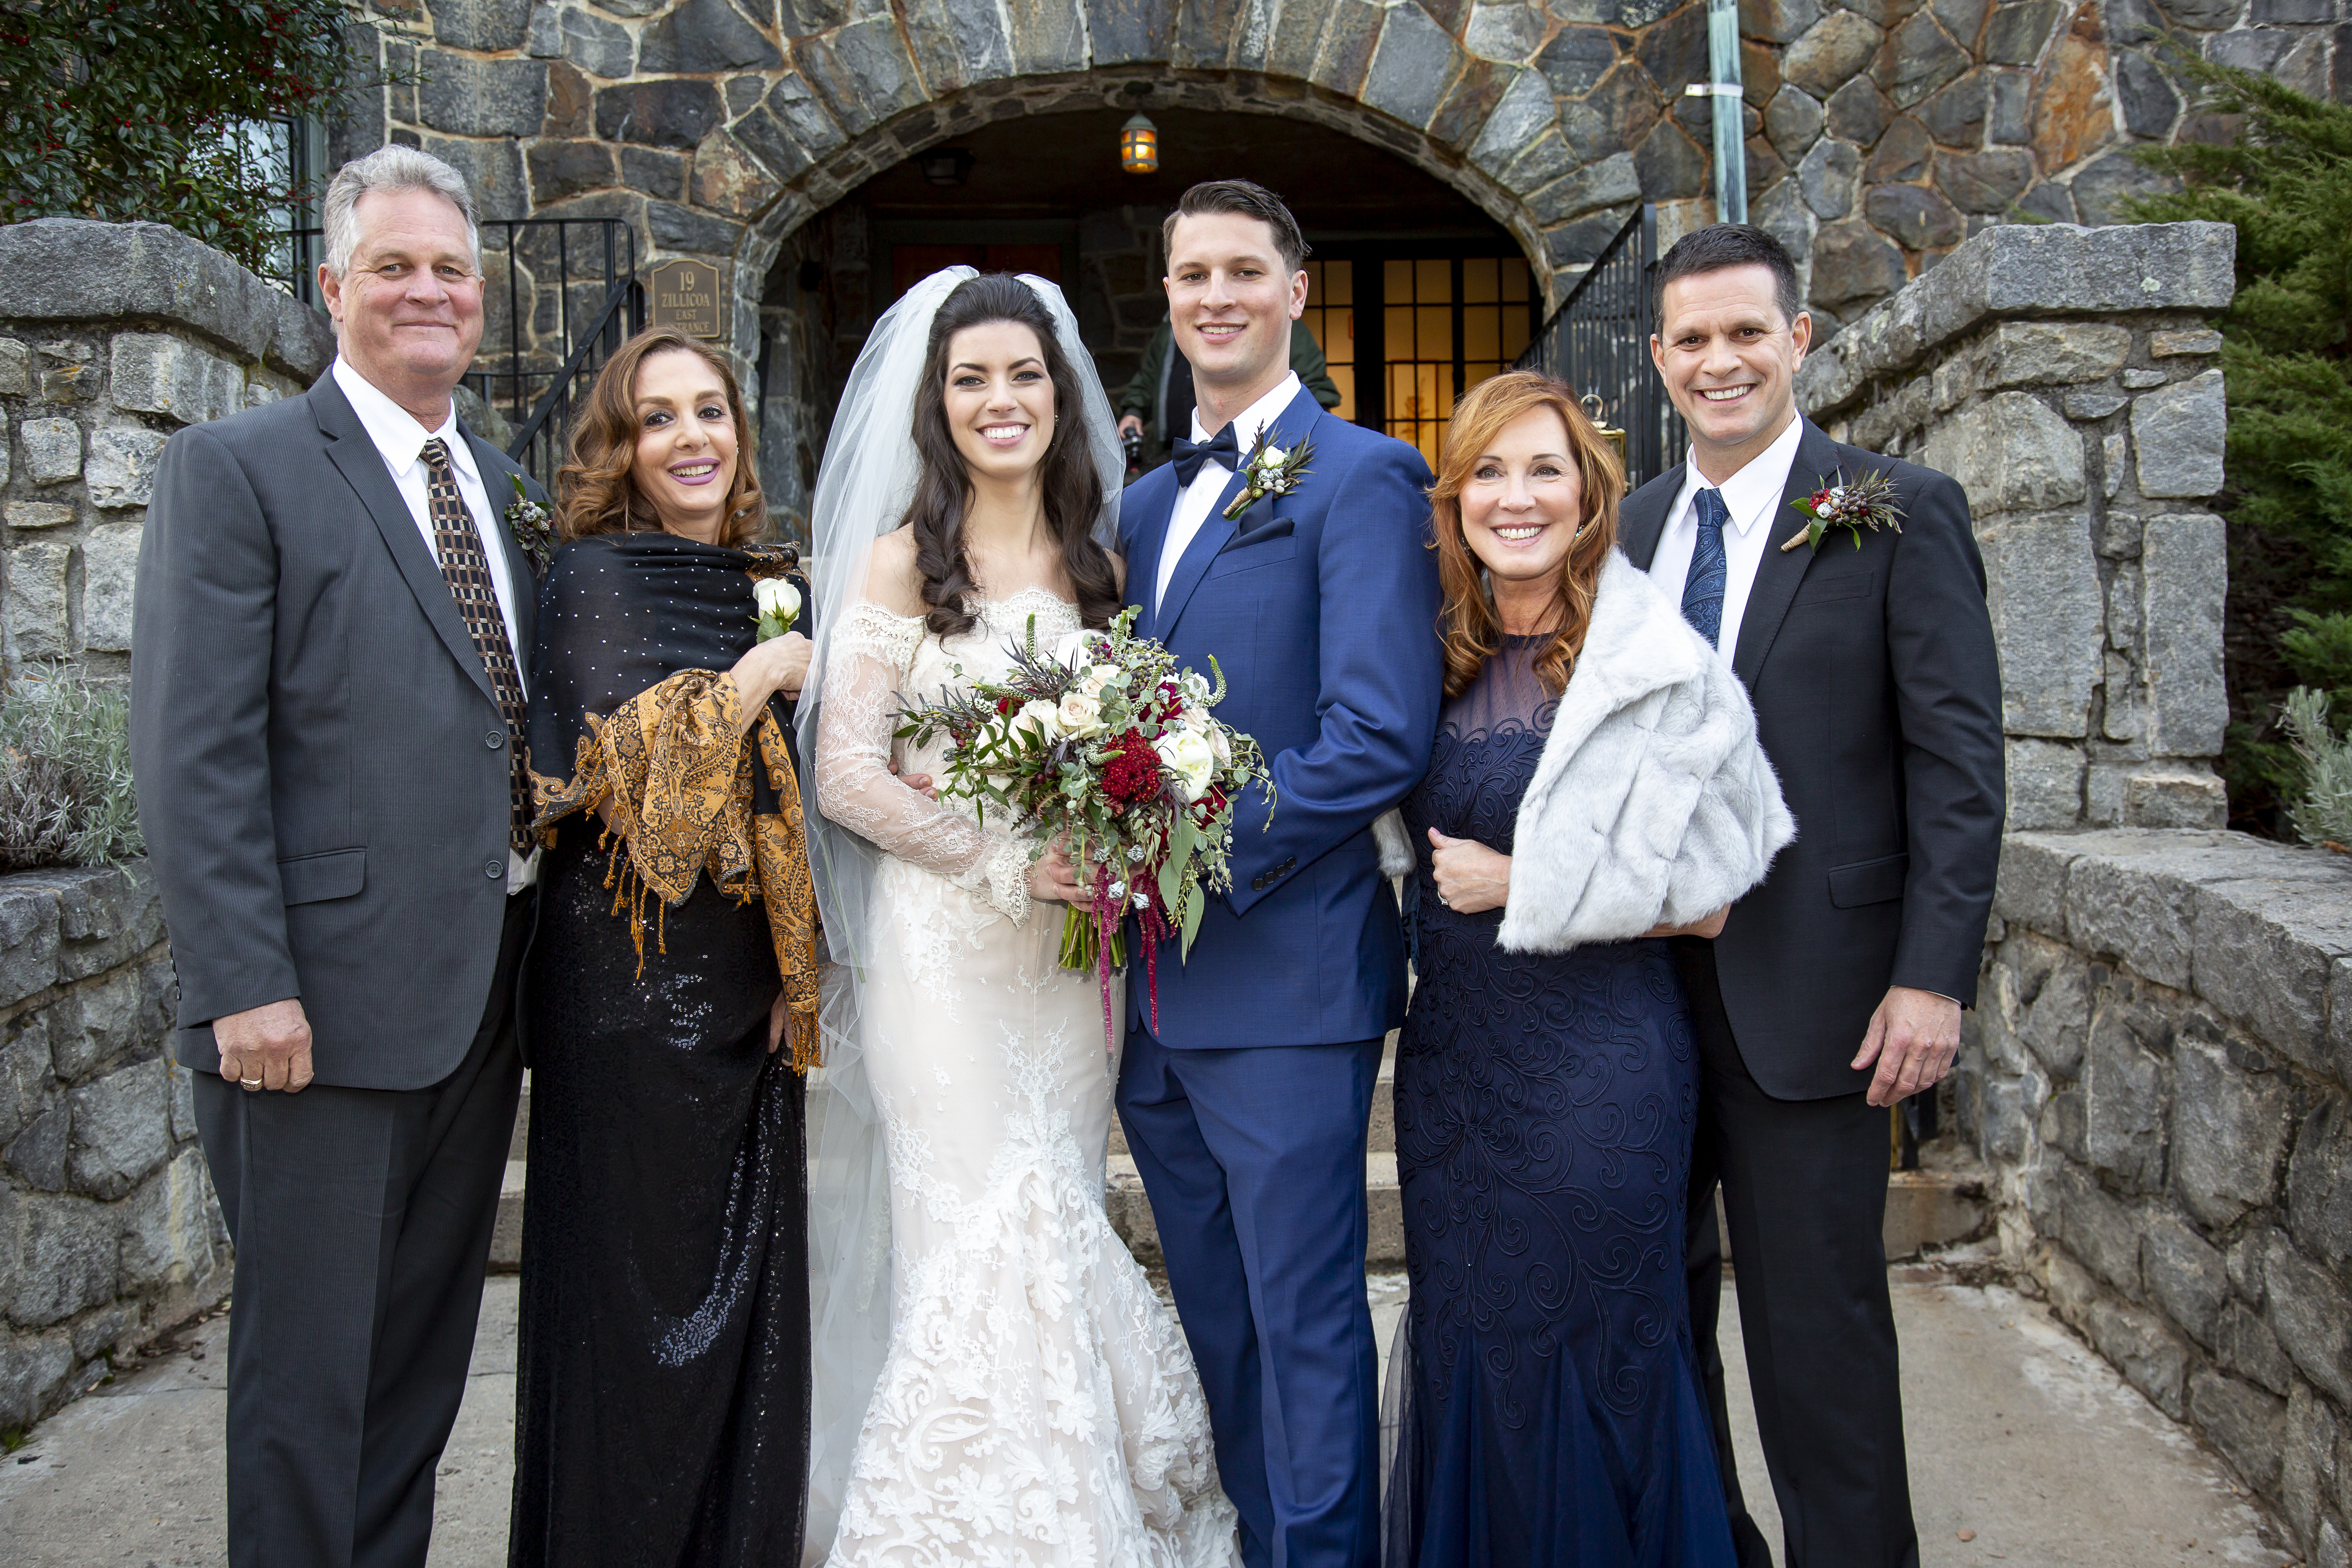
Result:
<point x="1946" y="1200"/>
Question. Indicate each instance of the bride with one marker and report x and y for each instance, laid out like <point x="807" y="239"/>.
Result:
<point x="1033" y="1401"/>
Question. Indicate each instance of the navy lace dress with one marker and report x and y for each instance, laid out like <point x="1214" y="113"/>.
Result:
<point x="1550" y="1411"/>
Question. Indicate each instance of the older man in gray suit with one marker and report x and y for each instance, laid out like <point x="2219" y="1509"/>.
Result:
<point x="326" y="698"/>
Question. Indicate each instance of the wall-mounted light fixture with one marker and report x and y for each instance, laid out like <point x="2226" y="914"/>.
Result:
<point x="1138" y="145"/>
<point x="947" y="166"/>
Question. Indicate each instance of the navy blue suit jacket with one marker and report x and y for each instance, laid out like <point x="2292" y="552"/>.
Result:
<point x="1320" y="606"/>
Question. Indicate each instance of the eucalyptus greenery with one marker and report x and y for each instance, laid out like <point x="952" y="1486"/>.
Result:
<point x="129" y="109"/>
<point x="65" y="796"/>
<point x="2286" y="182"/>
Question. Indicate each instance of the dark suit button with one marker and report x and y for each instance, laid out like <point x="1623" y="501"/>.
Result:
<point x="1291" y="864"/>
<point x="1257" y="884"/>
<point x="492" y="869"/>
<point x="494" y="740"/>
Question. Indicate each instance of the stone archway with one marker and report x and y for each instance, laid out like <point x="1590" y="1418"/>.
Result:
<point x="734" y="161"/>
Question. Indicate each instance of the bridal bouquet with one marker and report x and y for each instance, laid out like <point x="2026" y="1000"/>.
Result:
<point x="1103" y="744"/>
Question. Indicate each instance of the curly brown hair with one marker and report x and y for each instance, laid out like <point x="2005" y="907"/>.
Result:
<point x="1471" y="628"/>
<point x="594" y="492"/>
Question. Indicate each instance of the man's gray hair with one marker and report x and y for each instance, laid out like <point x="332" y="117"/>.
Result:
<point x="389" y="169"/>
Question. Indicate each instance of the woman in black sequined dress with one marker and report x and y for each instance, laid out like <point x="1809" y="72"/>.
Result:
<point x="662" y="1402"/>
<point x="1551" y="1413"/>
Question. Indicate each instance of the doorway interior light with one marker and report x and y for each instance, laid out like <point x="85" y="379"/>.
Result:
<point x="948" y="166"/>
<point x="1138" y="145"/>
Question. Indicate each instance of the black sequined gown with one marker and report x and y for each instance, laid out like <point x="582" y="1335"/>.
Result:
<point x="662" y="1401"/>
<point x="1545" y="1105"/>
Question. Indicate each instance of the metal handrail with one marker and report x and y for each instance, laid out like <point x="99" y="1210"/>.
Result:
<point x="1597" y="341"/>
<point x="536" y="444"/>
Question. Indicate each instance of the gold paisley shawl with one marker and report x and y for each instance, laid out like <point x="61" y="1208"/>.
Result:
<point x="678" y="778"/>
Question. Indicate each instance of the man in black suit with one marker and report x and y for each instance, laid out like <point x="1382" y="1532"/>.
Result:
<point x="326" y="698"/>
<point x="1836" y="987"/>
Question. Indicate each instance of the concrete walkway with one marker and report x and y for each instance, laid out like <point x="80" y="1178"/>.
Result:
<point x="2021" y="1439"/>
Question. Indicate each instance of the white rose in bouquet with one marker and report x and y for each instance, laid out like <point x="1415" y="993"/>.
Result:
<point x="1080" y="714"/>
<point x="1221" y="747"/>
<point x="1190" y="757"/>
<point x="1040" y="713"/>
<point x="1196" y="687"/>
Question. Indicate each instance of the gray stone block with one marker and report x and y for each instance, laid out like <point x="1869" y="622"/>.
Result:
<point x="1826" y="177"/>
<point x="1607" y="183"/>
<point x="157" y="372"/>
<point x="2123" y="1095"/>
<point x="28" y="936"/>
<point x="39" y="1153"/>
<point x="15" y="368"/>
<point x="2319" y="1183"/>
<point x="168" y="1225"/>
<point x="597" y="47"/>
<point x="2151" y="1357"/>
<point x="34" y="1370"/>
<point x="24" y="1075"/>
<point x="2248" y="1425"/>
<point x="25" y="516"/>
<point x="1508" y="34"/>
<point x="121" y="469"/>
<point x="2045" y="354"/>
<point x="486" y="25"/>
<point x="2042" y="588"/>
<point x="2173" y="797"/>
<point x="2179" y="430"/>
<point x="121" y="1129"/>
<point x="1410" y="67"/>
<point x="667" y="113"/>
<point x="2184" y="576"/>
<point x="95" y="1025"/>
<point x="52" y="451"/>
<point x="1831" y="52"/>
<point x="2310" y="1472"/>
<point x="2243" y="1343"/>
<point x="702" y="38"/>
<point x="2012" y="452"/>
<point x="2312" y="1315"/>
<point x="2032" y="887"/>
<point x="38" y="613"/>
<point x="469" y="96"/>
<point x="66" y="269"/>
<point x="66" y="1258"/>
<point x="2185" y="1276"/>
<point x="109" y="570"/>
<point x="2265" y="949"/>
<point x="2056" y="1025"/>
<point x="1793" y="122"/>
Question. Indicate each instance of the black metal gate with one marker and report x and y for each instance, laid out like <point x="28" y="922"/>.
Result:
<point x="1597" y="341"/>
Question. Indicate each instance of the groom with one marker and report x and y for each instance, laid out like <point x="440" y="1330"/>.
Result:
<point x="1247" y="1096"/>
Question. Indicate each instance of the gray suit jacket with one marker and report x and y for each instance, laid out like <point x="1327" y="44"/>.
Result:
<point x="1877" y="694"/>
<point x="320" y="762"/>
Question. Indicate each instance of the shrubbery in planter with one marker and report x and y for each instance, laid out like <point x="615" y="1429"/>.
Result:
<point x="66" y="797"/>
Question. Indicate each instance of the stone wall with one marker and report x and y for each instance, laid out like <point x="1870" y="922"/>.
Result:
<point x="112" y="337"/>
<point x="2156" y="1073"/>
<point x="2065" y="376"/>
<point x="109" y="1230"/>
<point x="1880" y="132"/>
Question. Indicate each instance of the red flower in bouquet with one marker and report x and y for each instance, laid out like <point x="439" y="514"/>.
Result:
<point x="1133" y="773"/>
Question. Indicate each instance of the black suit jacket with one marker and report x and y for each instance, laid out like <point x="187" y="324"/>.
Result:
<point x="1877" y="693"/>
<point x="322" y="764"/>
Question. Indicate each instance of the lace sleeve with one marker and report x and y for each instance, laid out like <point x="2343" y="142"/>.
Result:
<point x="870" y="652"/>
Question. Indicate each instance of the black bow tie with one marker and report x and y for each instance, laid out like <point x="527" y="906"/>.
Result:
<point x="1191" y="455"/>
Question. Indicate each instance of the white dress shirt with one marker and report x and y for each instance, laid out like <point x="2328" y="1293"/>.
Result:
<point x="1193" y="501"/>
<point x="400" y="440"/>
<point x="1750" y="496"/>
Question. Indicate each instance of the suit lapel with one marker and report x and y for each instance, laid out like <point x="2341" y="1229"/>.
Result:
<point x="362" y="465"/>
<point x="1778" y="574"/>
<point x="1143" y="554"/>
<point x="1293" y="425"/>
<point x="1645" y="520"/>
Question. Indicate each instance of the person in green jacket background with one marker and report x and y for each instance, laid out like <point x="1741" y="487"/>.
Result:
<point x="1158" y="401"/>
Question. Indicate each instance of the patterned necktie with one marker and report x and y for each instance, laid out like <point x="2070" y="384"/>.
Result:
<point x="1702" y="589"/>
<point x="466" y="569"/>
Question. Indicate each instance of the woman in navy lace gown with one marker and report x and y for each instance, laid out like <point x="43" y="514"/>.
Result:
<point x="1551" y="1412"/>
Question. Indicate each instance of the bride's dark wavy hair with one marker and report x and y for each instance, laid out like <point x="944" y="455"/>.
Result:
<point x="1071" y="483"/>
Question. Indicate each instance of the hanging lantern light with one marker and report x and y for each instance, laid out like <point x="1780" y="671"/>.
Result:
<point x="1138" y="145"/>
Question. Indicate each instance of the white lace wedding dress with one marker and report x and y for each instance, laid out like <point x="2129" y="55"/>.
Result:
<point x="1038" y="1404"/>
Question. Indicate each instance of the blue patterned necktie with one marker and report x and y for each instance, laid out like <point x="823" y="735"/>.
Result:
<point x="1702" y="589"/>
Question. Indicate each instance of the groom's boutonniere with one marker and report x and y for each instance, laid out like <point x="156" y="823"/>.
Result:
<point x="1269" y="470"/>
<point x="1851" y="504"/>
<point x="529" y="522"/>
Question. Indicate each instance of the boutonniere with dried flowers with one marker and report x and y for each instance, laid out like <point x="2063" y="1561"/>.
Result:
<point x="1850" y="504"/>
<point x="1269" y="470"/>
<point x="531" y="525"/>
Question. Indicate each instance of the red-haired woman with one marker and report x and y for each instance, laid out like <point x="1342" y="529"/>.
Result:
<point x="662" y="1401"/>
<point x="1595" y="787"/>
